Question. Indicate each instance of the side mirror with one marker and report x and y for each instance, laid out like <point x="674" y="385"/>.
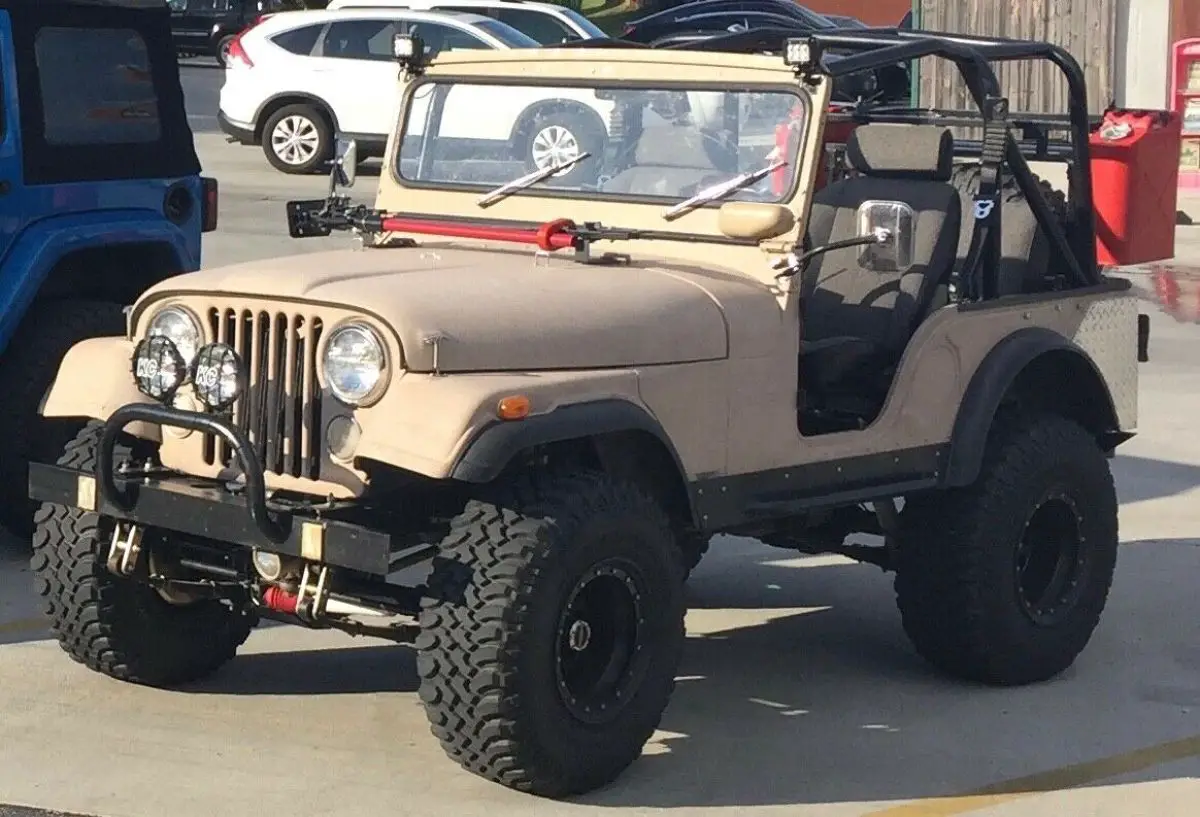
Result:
<point x="345" y="163"/>
<point x="890" y="224"/>
<point x="754" y="220"/>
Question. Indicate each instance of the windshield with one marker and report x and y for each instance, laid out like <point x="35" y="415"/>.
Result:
<point x="508" y="35"/>
<point x="658" y="144"/>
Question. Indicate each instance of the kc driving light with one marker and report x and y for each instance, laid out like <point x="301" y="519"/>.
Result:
<point x="181" y="327"/>
<point x="158" y="367"/>
<point x="218" y="376"/>
<point x="354" y="364"/>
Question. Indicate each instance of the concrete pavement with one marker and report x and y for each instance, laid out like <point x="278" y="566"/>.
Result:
<point x="798" y="695"/>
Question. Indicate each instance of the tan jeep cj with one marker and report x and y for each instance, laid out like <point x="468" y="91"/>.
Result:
<point x="599" y="312"/>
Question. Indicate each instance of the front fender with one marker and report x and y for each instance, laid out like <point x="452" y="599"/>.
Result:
<point x="93" y="381"/>
<point x="432" y="424"/>
<point x="46" y="242"/>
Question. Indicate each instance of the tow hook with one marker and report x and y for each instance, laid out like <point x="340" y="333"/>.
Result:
<point x="126" y="549"/>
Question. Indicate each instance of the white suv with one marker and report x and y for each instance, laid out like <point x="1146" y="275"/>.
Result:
<point x="547" y="23"/>
<point x="294" y="80"/>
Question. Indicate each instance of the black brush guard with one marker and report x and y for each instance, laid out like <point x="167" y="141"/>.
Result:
<point x="205" y="508"/>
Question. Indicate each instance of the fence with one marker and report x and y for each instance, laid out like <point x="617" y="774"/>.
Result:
<point x="1085" y="28"/>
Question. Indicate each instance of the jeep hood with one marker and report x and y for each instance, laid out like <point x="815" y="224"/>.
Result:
<point x="494" y="310"/>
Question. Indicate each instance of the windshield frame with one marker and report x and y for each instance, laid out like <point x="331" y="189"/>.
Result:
<point x="795" y="163"/>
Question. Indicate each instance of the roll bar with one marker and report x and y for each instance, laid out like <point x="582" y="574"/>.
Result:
<point x="871" y="48"/>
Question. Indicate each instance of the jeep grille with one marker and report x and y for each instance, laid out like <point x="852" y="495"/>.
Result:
<point x="281" y="408"/>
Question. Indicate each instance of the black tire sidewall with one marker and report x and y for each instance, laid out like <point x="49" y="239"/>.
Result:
<point x="489" y="627"/>
<point x="324" y="148"/>
<point x="118" y="626"/>
<point x="1083" y="486"/>
<point x="639" y="544"/>
<point x="223" y="45"/>
<point x="27" y="370"/>
<point x="956" y="582"/>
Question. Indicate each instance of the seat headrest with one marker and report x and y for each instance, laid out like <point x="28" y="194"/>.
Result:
<point x="685" y="148"/>
<point x="902" y="151"/>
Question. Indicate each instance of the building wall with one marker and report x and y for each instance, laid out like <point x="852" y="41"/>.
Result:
<point x="1087" y="29"/>
<point x="874" y="12"/>
<point x="1143" y="53"/>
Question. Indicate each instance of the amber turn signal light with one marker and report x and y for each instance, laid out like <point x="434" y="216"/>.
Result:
<point x="513" y="407"/>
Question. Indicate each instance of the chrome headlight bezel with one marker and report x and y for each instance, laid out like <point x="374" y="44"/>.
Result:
<point x="369" y="333"/>
<point x="192" y="321"/>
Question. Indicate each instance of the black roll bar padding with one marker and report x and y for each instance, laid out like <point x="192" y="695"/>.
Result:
<point x="984" y="252"/>
<point x="256" y="486"/>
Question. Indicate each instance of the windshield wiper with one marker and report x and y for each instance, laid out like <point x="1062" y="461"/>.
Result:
<point x="528" y="180"/>
<point x="720" y="190"/>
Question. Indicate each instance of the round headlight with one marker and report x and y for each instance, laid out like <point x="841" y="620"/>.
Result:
<point x="218" y="377"/>
<point x="181" y="327"/>
<point x="353" y="363"/>
<point x="158" y="368"/>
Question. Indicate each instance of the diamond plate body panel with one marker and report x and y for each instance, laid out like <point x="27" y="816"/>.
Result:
<point x="1108" y="333"/>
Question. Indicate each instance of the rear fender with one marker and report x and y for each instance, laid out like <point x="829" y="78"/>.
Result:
<point x="43" y="244"/>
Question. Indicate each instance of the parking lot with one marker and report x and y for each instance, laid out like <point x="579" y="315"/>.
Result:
<point x="798" y="695"/>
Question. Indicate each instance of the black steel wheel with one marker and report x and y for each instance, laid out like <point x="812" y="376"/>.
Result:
<point x="598" y="653"/>
<point x="1004" y="581"/>
<point x="553" y="630"/>
<point x="1051" y="558"/>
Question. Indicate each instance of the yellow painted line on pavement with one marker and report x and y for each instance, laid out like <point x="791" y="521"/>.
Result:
<point x="1065" y="777"/>
<point x="24" y="626"/>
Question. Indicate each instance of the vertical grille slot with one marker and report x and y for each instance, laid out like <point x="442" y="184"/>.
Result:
<point x="280" y="410"/>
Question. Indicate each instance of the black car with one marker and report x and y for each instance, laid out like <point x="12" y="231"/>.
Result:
<point x="652" y="26"/>
<point x="842" y="21"/>
<point x="207" y="27"/>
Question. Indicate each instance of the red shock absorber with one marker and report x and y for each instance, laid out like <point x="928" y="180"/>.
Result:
<point x="280" y="600"/>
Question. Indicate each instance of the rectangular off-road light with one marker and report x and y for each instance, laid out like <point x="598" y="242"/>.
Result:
<point x="801" y="53"/>
<point x="405" y="47"/>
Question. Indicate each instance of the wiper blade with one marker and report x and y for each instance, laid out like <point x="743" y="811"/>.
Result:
<point x="528" y="180"/>
<point x="720" y="190"/>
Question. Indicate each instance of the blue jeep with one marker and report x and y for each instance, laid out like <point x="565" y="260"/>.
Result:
<point x="100" y="197"/>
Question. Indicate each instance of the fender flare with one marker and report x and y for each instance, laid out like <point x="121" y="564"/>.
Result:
<point x="988" y="387"/>
<point x="304" y="98"/>
<point x="493" y="448"/>
<point x="39" y="248"/>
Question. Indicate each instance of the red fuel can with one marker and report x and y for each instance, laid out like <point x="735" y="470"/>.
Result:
<point x="1135" y="178"/>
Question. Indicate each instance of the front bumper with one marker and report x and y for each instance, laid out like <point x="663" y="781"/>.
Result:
<point x="206" y="508"/>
